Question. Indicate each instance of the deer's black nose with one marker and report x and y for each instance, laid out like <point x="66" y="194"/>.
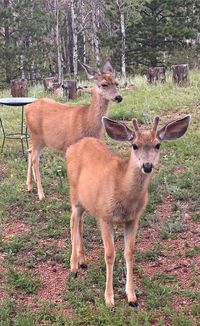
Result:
<point x="118" y="98"/>
<point x="147" y="167"/>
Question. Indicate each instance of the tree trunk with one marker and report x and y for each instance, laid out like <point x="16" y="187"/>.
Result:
<point x="7" y="47"/>
<point x="95" y="23"/>
<point x="83" y="34"/>
<point x="59" y="55"/>
<point x="21" y="67"/>
<point x="69" y="42"/>
<point x="180" y="74"/>
<point x="32" y="73"/>
<point x="84" y="47"/>
<point x="70" y="89"/>
<point x="75" y="39"/>
<point x="123" y="46"/>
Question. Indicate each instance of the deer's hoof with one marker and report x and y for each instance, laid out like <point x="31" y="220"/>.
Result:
<point x="73" y="274"/>
<point x="84" y="266"/>
<point x="41" y="197"/>
<point x="29" y="188"/>
<point x="133" y="304"/>
<point x="110" y="302"/>
<point x="110" y="305"/>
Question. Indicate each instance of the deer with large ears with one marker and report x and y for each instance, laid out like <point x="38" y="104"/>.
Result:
<point x="114" y="189"/>
<point x="57" y="125"/>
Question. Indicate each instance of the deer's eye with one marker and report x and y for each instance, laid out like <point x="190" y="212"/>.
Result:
<point x="135" y="147"/>
<point x="104" y="85"/>
<point x="157" y="146"/>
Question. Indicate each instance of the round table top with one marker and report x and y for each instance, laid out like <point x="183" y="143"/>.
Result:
<point x="17" y="101"/>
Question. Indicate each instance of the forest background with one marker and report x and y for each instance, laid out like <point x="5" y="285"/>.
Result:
<point x="42" y="38"/>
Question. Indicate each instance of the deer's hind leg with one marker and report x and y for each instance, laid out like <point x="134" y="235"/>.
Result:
<point x="35" y="159"/>
<point x="30" y="172"/>
<point x="81" y="251"/>
<point x="76" y="225"/>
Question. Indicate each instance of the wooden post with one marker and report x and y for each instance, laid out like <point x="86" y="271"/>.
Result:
<point x="156" y="74"/>
<point x="70" y="87"/>
<point x="19" y="87"/>
<point x="49" y="83"/>
<point x="180" y="74"/>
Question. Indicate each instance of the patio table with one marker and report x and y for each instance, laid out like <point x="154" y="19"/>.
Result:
<point x="22" y="135"/>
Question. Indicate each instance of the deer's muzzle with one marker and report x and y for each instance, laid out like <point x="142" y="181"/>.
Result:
<point x="118" y="98"/>
<point x="147" y="167"/>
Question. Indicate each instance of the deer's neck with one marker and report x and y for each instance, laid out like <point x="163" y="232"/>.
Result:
<point x="135" y="181"/>
<point x="98" y="108"/>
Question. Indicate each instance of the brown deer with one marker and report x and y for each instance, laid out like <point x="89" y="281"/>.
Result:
<point x="114" y="189"/>
<point x="57" y="125"/>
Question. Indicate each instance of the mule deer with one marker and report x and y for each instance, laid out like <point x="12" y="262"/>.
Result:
<point x="57" y="125"/>
<point x="114" y="189"/>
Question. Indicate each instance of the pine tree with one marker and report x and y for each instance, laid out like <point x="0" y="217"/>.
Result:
<point x="165" y="26"/>
<point x="121" y="14"/>
<point x="23" y="39"/>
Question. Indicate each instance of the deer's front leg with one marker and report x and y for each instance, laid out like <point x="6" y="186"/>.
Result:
<point x="130" y="231"/>
<point x="109" y="249"/>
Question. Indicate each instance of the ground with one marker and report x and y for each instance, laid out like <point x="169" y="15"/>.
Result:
<point x="35" y="282"/>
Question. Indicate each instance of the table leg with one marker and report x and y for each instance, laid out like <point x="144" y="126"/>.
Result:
<point x="4" y="135"/>
<point x="23" y="135"/>
<point x="23" y="132"/>
<point x="26" y="135"/>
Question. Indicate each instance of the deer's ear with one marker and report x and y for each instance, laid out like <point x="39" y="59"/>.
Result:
<point x="117" y="130"/>
<point x="174" y="129"/>
<point x="107" y="67"/>
<point x="91" y="73"/>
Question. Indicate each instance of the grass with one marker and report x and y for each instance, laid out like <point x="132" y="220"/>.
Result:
<point x="195" y="251"/>
<point x="22" y="281"/>
<point x="164" y="238"/>
<point x="150" y="100"/>
<point x="172" y="227"/>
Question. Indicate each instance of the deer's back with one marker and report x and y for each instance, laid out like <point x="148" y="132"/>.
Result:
<point x="57" y="125"/>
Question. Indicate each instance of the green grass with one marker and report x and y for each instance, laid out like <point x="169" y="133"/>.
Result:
<point x="196" y="216"/>
<point x="172" y="227"/>
<point x="195" y="251"/>
<point x="149" y="100"/>
<point x="151" y="254"/>
<point x="158" y="295"/>
<point x="177" y="183"/>
<point x="47" y="315"/>
<point x="22" y="281"/>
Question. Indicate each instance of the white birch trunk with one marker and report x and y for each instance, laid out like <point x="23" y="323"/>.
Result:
<point x="22" y="72"/>
<point x="123" y="46"/>
<point x="83" y="31"/>
<point x="95" y="29"/>
<point x="84" y="47"/>
<point x="59" y="61"/>
<point x="75" y="38"/>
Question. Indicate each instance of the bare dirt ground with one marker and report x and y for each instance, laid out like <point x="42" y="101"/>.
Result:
<point x="171" y="260"/>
